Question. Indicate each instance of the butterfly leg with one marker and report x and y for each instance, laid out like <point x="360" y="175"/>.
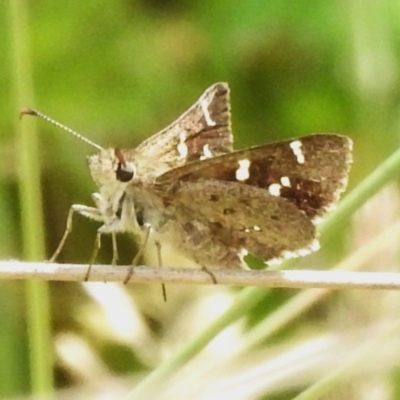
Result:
<point x="114" y="249"/>
<point x="90" y="212"/>
<point x="96" y="248"/>
<point x="68" y="230"/>
<point x="158" y="246"/>
<point x="212" y="276"/>
<point x="139" y="254"/>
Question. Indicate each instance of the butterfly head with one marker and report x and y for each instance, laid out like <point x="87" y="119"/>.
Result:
<point x="125" y="171"/>
<point x="110" y="167"/>
<point x="106" y="167"/>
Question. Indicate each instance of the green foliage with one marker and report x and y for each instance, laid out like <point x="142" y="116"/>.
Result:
<point x="120" y="71"/>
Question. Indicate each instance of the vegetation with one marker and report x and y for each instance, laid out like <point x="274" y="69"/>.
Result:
<point x="118" y="72"/>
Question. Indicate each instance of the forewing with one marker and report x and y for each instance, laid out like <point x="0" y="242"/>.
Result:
<point x="243" y="217"/>
<point x="203" y="131"/>
<point x="310" y="172"/>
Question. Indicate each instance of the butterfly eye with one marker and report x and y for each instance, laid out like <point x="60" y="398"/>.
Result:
<point x="124" y="172"/>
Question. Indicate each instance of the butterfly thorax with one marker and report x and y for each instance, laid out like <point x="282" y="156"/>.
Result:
<point x="134" y="206"/>
<point x="122" y="203"/>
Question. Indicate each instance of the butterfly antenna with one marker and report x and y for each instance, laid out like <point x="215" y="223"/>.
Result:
<point x="35" y="113"/>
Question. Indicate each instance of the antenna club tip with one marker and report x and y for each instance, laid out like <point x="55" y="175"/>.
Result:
<point x="27" y="111"/>
<point x="31" y="111"/>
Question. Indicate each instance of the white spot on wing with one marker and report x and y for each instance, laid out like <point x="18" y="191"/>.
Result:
<point x="206" y="152"/>
<point x="285" y="181"/>
<point x="243" y="252"/>
<point x="304" y="252"/>
<point x="243" y="173"/>
<point x="182" y="147"/>
<point x="297" y="151"/>
<point x="274" y="261"/>
<point x="289" y="254"/>
<point x="256" y="228"/>
<point x="275" y="189"/>
<point x="317" y="220"/>
<point x="315" y="246"/>
<point x="204" y="107"/>
<point x="330" y="207"/>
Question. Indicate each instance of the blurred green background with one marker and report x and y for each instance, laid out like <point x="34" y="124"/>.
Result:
<point x="120" y="71"/>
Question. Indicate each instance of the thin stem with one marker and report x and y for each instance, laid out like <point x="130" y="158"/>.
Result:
<point x="298" y="279"/>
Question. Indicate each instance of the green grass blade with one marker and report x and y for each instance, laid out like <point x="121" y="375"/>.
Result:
<point x="38" y="317"/>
